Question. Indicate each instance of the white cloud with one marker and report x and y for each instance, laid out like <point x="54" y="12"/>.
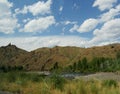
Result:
<point x="23" y="11"/>
<point x="39" y="24"/>
<point x="111" y="14"/>
<point x="48" y="41"/>
<point x="61" y="8"/>
<point x="86" y="26"/>
<point x="7" y="21"/>
<point x="91" y="23"/>
<point x="74" y="28"/>
<point x="7" y="25"/>
<point x="109" y="32"/>
<point x="69" y="22"/>
<point x="104" y="4"/>
<point x="5" y="8"/>
<point x="40" y="7"/>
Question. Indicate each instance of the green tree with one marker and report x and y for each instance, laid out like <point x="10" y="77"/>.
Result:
<point x="84" y="65"/>
<point x="74" y="67"/>
<point x="79" y="65"/>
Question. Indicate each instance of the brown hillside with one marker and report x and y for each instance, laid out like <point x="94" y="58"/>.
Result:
<point x="45" y="58"/>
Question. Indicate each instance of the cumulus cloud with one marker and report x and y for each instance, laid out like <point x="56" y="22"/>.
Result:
<point x="91" y="23"/>
<point x="86" y="26"/>
<point x="104" y="4"/>
<point x="110" y="31"/>
<point x="39" y="24"/>
<point x="7" y="21"/>
<point x="111" y="14"/>
<point x="40" y="7"/>
<point x="7" y="25"/>
<point x="48" y="41"/>
<point x="5" y="8"/>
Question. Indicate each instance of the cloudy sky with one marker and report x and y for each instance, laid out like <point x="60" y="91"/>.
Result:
<point x="32" y="24"/>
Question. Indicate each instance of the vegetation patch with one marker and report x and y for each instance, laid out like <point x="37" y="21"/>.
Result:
<point x="24" y="83"/>
<point x="110" y="83"/>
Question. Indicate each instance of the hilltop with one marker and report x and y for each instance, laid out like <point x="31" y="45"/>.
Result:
<point x="9" y="54"/>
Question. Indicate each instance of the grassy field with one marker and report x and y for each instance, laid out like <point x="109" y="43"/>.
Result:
<point x="22" y="83"/>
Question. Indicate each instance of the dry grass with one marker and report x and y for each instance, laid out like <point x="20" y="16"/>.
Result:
<point x="71" y="87"/>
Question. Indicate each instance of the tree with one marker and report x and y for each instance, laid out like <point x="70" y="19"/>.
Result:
<point x="84" y="63"/>
<point x="79" y="65"/>
<point x="74" y="67"/>
<point x="55" y="66"/>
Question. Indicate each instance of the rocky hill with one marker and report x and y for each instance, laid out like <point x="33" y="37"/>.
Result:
<point x="9" y="54"/>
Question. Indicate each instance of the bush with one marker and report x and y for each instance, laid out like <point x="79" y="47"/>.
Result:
<point x="58" y="82"/>
<point x="11" y="77"/>
<point x="36" y="77"/>
<point x="31" y="77"/>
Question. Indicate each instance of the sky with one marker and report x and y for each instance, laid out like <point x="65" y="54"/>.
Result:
<point x="32" y="24"/>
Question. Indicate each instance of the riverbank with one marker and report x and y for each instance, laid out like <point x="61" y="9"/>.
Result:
<point x="101" y="76"/>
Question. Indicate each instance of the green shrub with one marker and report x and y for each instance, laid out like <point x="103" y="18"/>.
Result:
<point x="11" y="77"/>
<point x="36" y="78"/>
<point x="58" y="82"/>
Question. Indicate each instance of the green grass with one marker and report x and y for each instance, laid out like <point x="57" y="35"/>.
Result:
<point x="110" y="83"/>
<point x="20" y="76"/>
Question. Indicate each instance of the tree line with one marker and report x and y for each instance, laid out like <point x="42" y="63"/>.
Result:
<point x="4" y="68"/>
<point x="97" y="64"/>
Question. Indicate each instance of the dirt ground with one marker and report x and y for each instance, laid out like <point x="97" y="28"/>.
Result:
<point x="101" y="76"/>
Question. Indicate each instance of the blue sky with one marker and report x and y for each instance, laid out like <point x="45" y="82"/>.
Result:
<point x="32" y="24"/>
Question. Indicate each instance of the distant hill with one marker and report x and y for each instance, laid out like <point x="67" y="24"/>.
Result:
<point x="45" y="58"/>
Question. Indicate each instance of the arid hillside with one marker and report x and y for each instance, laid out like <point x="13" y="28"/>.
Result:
<point x="45" y="58"/>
